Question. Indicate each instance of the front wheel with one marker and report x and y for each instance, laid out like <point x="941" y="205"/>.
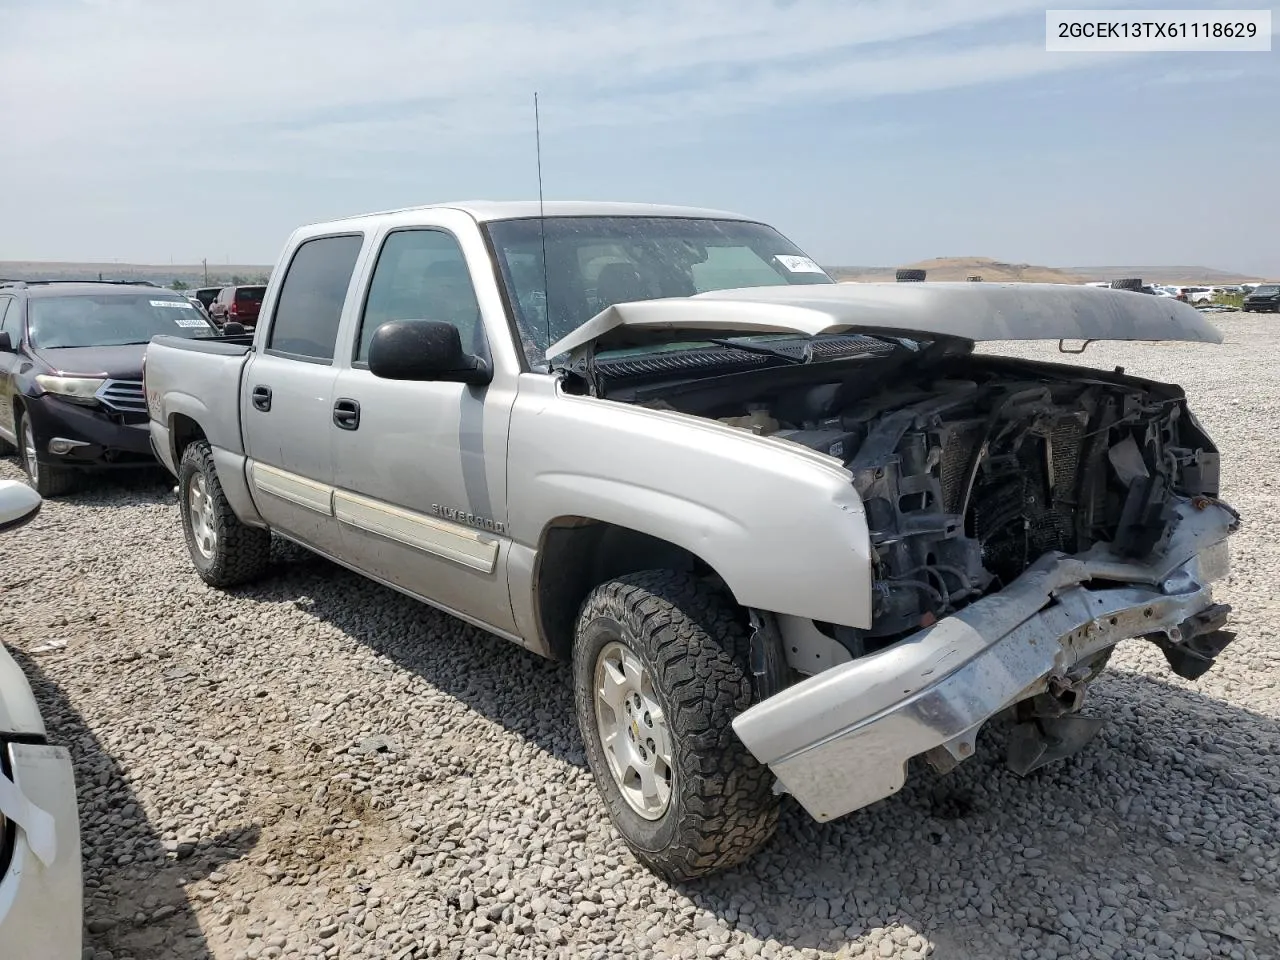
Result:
<point x="47" y="479"/>
<point x="661" y="668"/>
<point x="225" y="551"/>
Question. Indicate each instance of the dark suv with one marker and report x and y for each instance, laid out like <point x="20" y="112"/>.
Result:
<point x="1265" y="298"/>
<point x="237" y="303"/>
<point x="71" y="359"/>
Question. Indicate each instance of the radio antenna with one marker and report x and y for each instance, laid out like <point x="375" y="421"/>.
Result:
<point x="542" y="223"/>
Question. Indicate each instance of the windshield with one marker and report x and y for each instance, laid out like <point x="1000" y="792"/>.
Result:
<point x="111" y="319"/>
<point x="594" y="262"/>
<point x="1267" y="289"/>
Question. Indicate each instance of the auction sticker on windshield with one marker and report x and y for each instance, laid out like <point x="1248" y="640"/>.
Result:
<point x="172" y="303"/>
<point x="798" y="264"/>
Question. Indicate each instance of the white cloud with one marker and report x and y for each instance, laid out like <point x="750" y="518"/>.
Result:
<point x="297" y="73"/>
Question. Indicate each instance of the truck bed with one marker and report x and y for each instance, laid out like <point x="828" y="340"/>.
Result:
<point x="200" y="380"/>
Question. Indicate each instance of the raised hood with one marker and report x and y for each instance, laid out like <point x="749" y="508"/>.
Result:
<point x="965" y="311"/>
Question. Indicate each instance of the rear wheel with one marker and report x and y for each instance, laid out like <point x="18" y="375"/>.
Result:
<point x="225" y="551"/>
<point x="48" y="480"/>
<point x="661" y="668"/>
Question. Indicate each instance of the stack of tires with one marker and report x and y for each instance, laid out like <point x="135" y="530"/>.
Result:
<point x="910" y="275"/>
<point x="1129" y="283"/>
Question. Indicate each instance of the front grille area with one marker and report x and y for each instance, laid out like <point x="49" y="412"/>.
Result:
<point x="123" y="396"/>
<point x="1024" y="505"/>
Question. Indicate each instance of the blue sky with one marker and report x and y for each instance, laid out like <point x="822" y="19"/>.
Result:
<point x="869" y="132"/>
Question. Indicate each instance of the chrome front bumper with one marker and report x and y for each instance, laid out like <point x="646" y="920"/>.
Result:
<point x="840" y="740"/>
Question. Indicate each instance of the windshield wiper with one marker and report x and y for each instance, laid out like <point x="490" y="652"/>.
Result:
<point x="804" y="357"/>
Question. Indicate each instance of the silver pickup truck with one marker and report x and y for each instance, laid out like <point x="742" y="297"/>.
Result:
<point x="791" y="534"/>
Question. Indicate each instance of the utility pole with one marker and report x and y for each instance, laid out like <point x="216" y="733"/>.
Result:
<point x="205" y="263"/>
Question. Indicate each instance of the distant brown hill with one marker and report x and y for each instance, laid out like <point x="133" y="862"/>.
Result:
<point x="961" y="268"/>
<point x="192" y="274"/>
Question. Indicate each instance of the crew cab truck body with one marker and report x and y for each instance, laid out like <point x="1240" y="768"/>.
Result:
<point x="790" y="534"/>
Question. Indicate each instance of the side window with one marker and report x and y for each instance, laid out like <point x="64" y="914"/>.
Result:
<point x="6" y="324"/>
<point x="309" y="306"/>
<point x="422" y="275"/>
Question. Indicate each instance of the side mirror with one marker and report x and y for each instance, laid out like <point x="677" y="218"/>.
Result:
<point x="18" y="503"/>
<point x="424" y="350"/>
<point x="6" y="342"/>
<point x="233" y="328"/>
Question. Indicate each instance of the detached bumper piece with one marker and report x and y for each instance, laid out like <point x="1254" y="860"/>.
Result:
<point x="840" y="740"/>
<point x="41" y="908"/>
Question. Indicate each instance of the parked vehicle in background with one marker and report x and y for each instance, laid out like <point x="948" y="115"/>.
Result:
<point x="206" y="295"/>
<point x="71" y="374"/>
<point x="1185" y="294"/>
<point x="1128" y="283"/>
<point x="238" y="303"/>
<point x="195" y="302"/>
<point x="41" y="900"/>
<point x="1265" y="298"/>
<point x="781" y="527"/>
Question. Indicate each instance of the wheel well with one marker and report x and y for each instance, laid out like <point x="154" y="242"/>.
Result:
<point x="578" y="554"/>
<point x="183" y="431"/>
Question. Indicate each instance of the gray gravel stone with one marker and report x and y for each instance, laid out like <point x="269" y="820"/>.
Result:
<point x="315" y="766"/>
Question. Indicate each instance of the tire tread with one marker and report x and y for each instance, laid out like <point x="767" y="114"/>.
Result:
<point x="243" y="551"/>
<point x="701" y="654"/>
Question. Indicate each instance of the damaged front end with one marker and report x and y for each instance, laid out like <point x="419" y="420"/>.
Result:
<point x="1021" y="527"/>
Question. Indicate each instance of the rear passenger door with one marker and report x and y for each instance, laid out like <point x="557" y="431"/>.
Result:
<point x="287" y="391"/>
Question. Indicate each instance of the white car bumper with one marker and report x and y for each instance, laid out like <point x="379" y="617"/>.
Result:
<point x="41" y="907"/>
<point x="840" y="740"/>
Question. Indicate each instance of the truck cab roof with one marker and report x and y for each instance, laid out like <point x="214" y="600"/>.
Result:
<point x="485" y="210"/>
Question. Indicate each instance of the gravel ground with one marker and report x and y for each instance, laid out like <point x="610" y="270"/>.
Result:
<point x="319" y="767"/>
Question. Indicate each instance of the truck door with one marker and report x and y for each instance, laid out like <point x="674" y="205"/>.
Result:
<point x="420" y="467"/>
<point x="287" y="393"/>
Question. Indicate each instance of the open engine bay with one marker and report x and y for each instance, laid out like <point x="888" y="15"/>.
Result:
<point x="972" y="467"/>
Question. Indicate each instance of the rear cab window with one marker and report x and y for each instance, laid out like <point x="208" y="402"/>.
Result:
<point x="249" y="294"/>
<point x="308" y="308"/>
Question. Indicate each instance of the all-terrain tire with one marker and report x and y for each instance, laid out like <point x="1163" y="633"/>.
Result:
<point x="1128" y="283"/>
<point x="46" y="479"/>
<point x="910" y="275"/>
<point x="722" y="808"/>
<point x="240" y="553"/>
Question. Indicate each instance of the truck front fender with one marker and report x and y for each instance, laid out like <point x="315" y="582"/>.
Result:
<point x="779" y="523"/>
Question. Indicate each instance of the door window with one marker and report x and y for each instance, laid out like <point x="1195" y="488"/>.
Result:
<point x="422" y="275"/>
<point x="309" y="306"/>
<point x="9" y="324"/>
